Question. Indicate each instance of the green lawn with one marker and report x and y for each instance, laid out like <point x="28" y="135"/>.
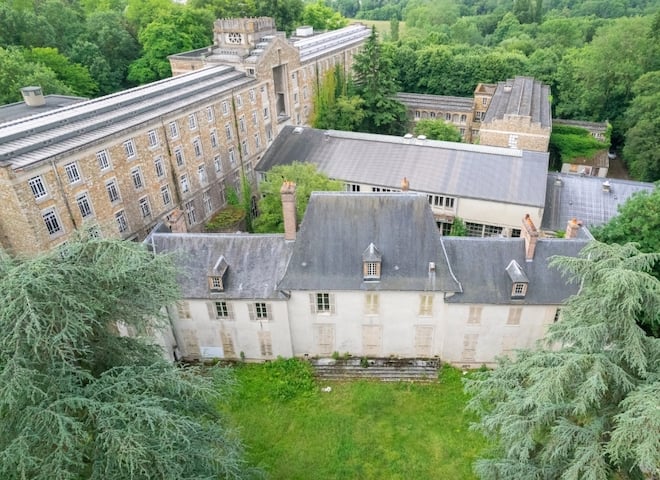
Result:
<point x="382" y="26"/>
<point x="360" y="430"/>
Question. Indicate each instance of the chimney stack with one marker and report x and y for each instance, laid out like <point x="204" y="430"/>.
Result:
<point x="531" y="235"/>
<point x="288" y="194"/>
<point x="573" y="228"/>
<point x="177" y="222"/>
<point x="405" y="184"/>
<point x="33" y="96"/>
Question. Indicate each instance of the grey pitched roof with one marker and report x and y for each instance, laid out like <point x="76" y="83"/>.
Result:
<point x="339" y="226"/>
<point x="522" y="96"/>
<point x="574" y="196"/>
<point x="17" y="110"/>
<point x="418" y="100"/>
<point x="255" y="263"/>
<point x="33" y="139"/>
<point x="459" y="169"/>
<point x="480" y="265"/>
<point x="324" y="43"/>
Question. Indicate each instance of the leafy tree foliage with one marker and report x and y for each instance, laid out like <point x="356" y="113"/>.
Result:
<point x="80" y="401"/>
<point x="642" y="150"/>
<point x="322" y="17"/>
<point x="226" y="8"/>
<point x="72" y="74"/>
<point x="374" y="82"/>
<point x="584" y="404"/>
<point x="568" y="143"/>
<point x="333" y="108"/>
<point x="307" y="180"/>
<point x="638" y="221"/>
<point x="287" y="13"/>
<point x="437" y="130"/>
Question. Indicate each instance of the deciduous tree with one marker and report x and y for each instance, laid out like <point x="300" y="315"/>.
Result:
<point x="307" y="180"/>
<point x="80" y="401"/>
<point x="584" y="404"/>
<point x="437" y="130"/>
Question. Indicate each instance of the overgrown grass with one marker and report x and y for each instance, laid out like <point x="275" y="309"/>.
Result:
<point x="359" y="430"/>
<point x="382" y="26"/>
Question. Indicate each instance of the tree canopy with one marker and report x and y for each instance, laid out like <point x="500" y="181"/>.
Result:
<point x="437" y="130"/>
<point x="307" y="180"/>
<point x="584" y="404"/>
<point x="79" y="400"/>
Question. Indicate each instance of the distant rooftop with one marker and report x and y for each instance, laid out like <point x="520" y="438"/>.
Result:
<point x="465" y="170"/>
<point x="585" y="198"/>
<point x="440" y="102"/>
<point x="521" y="96"/>
<point x="27" y="141"/>
<point x="324" y="43"/>
<point x="14" y="111"/>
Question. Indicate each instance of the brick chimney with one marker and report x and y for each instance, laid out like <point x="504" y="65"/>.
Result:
<point x="531" y="235"/>
<point x="573" y="228"/>
<point x="177" y="222"/>
<point x="405" y="184"/>
<point x="288" y="193"/>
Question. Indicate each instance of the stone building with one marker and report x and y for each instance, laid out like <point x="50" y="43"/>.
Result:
<point x="119" y="164"/>
<point x="512" y="114"/>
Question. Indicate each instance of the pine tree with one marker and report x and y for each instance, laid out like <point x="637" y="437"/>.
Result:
<point x="374" y="82"/>
<point x="584" y="405"/>
<point x="80" y="401"/>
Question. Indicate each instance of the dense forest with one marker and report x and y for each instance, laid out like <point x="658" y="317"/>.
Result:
<point x="601" y="57"/>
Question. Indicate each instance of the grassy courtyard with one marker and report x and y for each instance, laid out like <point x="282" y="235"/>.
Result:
<point x="359" y="430"/>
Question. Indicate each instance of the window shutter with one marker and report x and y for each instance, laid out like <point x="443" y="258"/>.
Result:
<point x="230" y="310"/>
<point x="211" y="308"/>
<point x="331" y="297"/>
<point x="312" y="302"/>
<point x="252" y="311"/>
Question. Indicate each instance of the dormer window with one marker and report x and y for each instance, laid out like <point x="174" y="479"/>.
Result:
<point x="216" y="275"/>
<point x="371" y="262"/>
<point x="519" y="280"/>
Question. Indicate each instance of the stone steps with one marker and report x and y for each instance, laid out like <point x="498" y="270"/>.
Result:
<point x="383" y="369"/>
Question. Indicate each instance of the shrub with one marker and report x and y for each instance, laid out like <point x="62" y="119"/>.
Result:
<point x="226" y="219"/>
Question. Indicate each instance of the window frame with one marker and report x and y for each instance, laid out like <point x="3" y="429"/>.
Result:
<point x="38" y="187"/>
<point x="84" y="205"/>
<point x="72" y="172"/>
<point x="52" y="222"/>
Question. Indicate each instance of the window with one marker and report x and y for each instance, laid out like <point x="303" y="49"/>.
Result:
<point x="145" y="208"/>
<point x="136" y="175"/>
<point x="266" y="113"/>
<point x="190" y="212"/>
<point x="418" y="114"/>
<point x="206" y="199"/>
<point x="351" y="187"/>
<point x="122" y="225"/>
<point x="426" y="305"/>
<point x="295" y="97"/>
<point x="201" y="174"/>
<point x="197" y="146"/>
<point x="241" y="123"/>
<point x="519" y="289"/>
<point x="159" y="167"/>
<point x="305" y="92"/>
<point x="222" y="309"/>
<point x="103" y="159"/>
<point x="165" y="194"/>
<point x="52" y="222"/>
<point x="228" y="133"/>
<point x="448" y="117"/>
<point x="372" y="269"/>
<point x="214" y="139"/>
<point x="269" y="134"/>
<point x="371" y="304"/>
<point x="129" y="148"/>
<point x="210" y="116"/>
<point x="217" y="164"/>
<point x="254" y="119"/>
<point x="225" y="107"/>
<point x="178" y="156"/>
<point x="72" y="172"/>
<point x="323" y="303"/>
<point x="257" y="141"/>
<point x="463" y="118"/>
<point x="84" y="206"/>
<point x="174" y="129"/>
<point x="113" y="191"/>
<point x="432" y="114"/>
<point x="244" y="147"/>
<point x="252" y="96"/>
<point x="259" y="311"/>
<point x="232" y="157"/>
<point x="557" y="315"/>
<point x="484" y="101"/>
<point x="184" y="183"/>
<point x="192" y="121"/>
<point x="474" y="317"/>
<point x="513" y="141"/>
<point x="239" y="101"/>
<point x="514" y="316"/>
<point x="38" y="187"/>
<point x="153" y="138"/>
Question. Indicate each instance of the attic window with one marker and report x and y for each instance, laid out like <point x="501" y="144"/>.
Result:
<point x="215" y="284"/>
<point x="519" y="290"/>
<point x="519" y="280"/>
<point x="371" y="262"/>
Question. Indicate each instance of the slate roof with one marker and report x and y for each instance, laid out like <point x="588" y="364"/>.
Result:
<point x="255" y="262"/>
<point x="14" y="111"/>
<point x="470" y="171"/>
<point x="574" y="196"/>
<point x="480" y="265"/>
<point x="33" y="139"/>
<point x="522" y="96"/>
<point x="324" y="43"/>
<point x="441" y="102"/>
<point x="339" y="226"/>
